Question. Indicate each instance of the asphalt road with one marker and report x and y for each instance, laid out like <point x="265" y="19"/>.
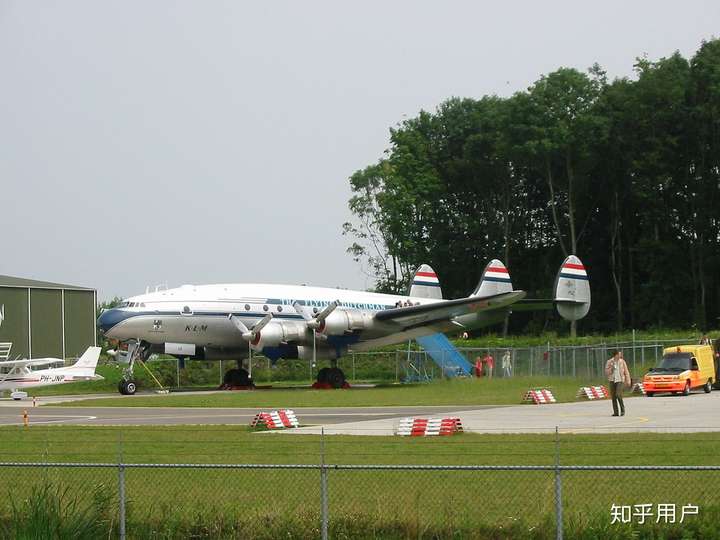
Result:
<point x="11" y="414"/>
<point x="697" y="412"/>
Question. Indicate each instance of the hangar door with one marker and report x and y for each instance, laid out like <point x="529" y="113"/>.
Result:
<point x="15" y="328"/>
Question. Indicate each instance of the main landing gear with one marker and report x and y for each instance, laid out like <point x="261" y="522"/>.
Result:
<point x="331" y="377"/>
<point x="237" y="378"/>
<point x="138" y="351"/>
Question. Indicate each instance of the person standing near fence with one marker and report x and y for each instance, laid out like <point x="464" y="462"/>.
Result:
<point x="618" y="375"/>
<point x="478" y="367"/>
<point x="507" y="364"/>
<point x="489" y="362"/>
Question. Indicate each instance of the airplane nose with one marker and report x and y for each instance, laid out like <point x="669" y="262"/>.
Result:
<point x="110" y="317"/>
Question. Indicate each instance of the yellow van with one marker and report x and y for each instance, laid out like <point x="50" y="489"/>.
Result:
<point x="682" y="369"/>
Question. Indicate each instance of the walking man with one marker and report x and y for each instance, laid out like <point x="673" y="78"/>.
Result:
<point x="618" y="376"/>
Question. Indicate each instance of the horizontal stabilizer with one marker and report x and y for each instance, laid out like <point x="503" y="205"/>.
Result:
<point x="425" y="284"/>
<point x="572" y="290"/>
<point x="495" y="279"/>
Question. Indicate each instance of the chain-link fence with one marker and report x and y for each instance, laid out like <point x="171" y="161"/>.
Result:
<point x="580" y="361"/>
<point x="352" y="501"/>
<point x="413" y="364"/>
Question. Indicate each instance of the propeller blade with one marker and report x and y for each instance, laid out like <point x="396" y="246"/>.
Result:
<point x="262" y="323"/>
<point x="325" y="313"/>
<point x="238" y="323"/>
<point x="304" y="314"/>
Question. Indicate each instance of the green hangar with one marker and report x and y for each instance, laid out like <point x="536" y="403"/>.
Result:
<point x="45" y="320"/>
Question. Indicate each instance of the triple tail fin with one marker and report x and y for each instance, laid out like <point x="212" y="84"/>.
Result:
<point x="425" y="283"/>
<point x="572" y="290"/>
<point x="495" y="279"/>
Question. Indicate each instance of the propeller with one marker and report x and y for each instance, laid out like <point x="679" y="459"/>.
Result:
<point x="316" y="323"/>
<point x="252" y="336"/>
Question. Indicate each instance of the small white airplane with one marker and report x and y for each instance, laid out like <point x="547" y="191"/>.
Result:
<point x="19" y="374"/>
<point x="214" y="322"/>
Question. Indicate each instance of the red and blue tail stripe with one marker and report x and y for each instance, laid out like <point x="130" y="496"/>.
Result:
<point x="573" y="271"/>
<point x="426" y="279"/>
<point x="497" y="273"/>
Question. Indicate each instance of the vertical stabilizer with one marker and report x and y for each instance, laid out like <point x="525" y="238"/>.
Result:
<point x="495" y="279"/>
<point x="89" y="359"/>
<point x="425" y="283"/>
<point x="572" y="290"/>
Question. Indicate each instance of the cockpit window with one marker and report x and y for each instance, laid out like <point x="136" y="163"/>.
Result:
<point x="123" y="304"/>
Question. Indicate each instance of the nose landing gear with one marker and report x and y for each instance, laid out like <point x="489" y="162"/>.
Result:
<point x="137" y="351"/>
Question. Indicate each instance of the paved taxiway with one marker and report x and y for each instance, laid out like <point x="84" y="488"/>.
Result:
<point x="697" y="412"/>
<point x="11" y="414"/>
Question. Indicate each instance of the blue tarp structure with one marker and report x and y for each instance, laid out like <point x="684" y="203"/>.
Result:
<point x="445" y="355"/>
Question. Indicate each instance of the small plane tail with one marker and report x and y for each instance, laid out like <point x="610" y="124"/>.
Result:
<point x="425" y="283"/>
<point x="89" y="359"/>
<point x="572" y="290"/>
<point x="495" y="279"/>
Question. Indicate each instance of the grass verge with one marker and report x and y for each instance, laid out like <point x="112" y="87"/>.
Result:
<point x="498" y="391"/>
<point x="363" y="503"/>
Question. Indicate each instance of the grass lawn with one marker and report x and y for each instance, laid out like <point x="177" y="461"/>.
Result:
<point x="240" y="444"/>
<point x="210" y="503"/>
<point x="447" y="392"/>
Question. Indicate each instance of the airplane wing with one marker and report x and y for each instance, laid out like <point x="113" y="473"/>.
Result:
<point x="28" y="362"/>
<point x="445" y="311"/>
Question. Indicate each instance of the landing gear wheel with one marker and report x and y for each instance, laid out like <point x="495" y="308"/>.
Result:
<point x="335" y="377"/>
<point x="237" y="377"/>
<point x="127" y="388"/>
<point x="708" y="386"/>
<point x="322" y="376"/>
<point x="686" y="390"/>
<point x="130" y="388"/>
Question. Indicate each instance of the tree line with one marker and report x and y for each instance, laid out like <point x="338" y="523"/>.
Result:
<point x="623" y="173"/>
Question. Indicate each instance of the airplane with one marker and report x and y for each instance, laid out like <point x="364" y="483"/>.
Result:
<point x="229" y="321"/>
<point x="20" y="374"/>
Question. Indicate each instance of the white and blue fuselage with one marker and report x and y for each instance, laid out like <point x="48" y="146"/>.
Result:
<point x="200" y="316"/>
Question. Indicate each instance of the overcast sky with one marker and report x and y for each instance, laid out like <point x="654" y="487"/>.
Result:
<point x="201" y="142"/>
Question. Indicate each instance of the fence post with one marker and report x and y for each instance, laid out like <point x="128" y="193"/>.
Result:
<point x="532" y="354"/>
<point x="587" y="361"/>
<point x="558" y="489"/>
<point x="121" y="491"/>
<point x="397" y="366"/>
<point x="323" y="488"/>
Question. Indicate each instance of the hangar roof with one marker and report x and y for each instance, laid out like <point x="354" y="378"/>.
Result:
<point x="9" y="281"/>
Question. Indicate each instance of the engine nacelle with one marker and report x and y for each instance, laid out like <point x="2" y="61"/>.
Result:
<point x="277" y="332"/>
<point x="343" y="321"/>
<point x="323" y="353"/>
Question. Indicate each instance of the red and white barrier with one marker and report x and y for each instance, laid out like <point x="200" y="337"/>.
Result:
<point x="539" y="396"/>
<point x="593" y="392"/>
<point x="424" y="427"/>
<point x="638" y="388"/>
<point x="284" y="418"/>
